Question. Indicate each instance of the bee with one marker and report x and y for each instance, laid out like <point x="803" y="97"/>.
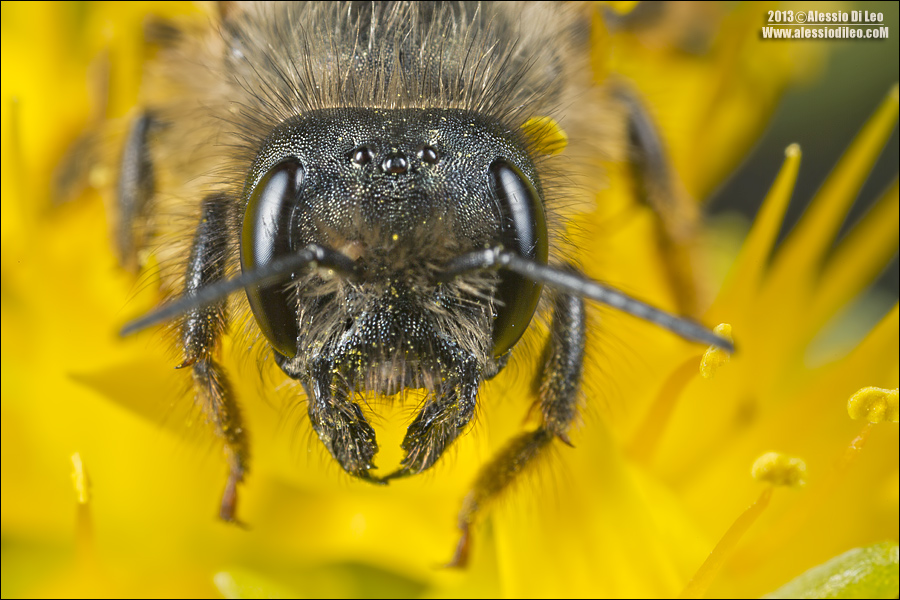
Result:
<point x="372" y="190"/>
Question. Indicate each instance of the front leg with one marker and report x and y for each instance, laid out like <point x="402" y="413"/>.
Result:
<point x="560" y="387"/>
<point x="339" y="422"/>
<point x="201" y="331"/>
<point x="440" y="422"/>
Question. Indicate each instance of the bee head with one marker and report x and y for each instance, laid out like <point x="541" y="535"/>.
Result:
<point x="401" y="193"/>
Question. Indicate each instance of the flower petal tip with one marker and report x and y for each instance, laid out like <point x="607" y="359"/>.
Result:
<point x="875" y="405"/>
<point x="779" y="469"/>
<point x="793" y="151"/>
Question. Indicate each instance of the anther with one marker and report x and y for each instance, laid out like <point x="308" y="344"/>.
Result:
<point x="715" y="358"/>
<point x="875" y="405"/>
<point x="779" y="469"/>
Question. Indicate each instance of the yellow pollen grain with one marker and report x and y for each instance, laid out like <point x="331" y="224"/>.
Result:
<point x="779" y="469"/>
<point x="546" y="135"/>
<point x="80" y="479"/>
<point x="875" y="405"/>
<point x="715" y="358"/>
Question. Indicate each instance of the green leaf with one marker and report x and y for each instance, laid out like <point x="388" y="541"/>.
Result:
<point x="870" y="572"/>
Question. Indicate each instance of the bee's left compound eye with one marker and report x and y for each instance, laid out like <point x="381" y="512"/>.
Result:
<point x="524" y="231"/>
<point x="266" y="235"/>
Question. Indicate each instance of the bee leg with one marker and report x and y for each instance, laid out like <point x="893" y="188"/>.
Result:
<point x="657" y="186"/>
<point x="339" y="422"/>
<point x="134" y="190"/>
<point x="560" y="384"/>
<point x="440" y="422"/>
<point x="201" y="330"/>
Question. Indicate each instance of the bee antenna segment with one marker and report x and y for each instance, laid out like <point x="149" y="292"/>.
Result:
<point x="574" y="283"/>
<point x="312" y="256"/>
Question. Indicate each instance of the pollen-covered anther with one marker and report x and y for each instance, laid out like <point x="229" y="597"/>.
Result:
<point x="715" y="358"/>
<point x="875" y="405"/>
<point x="779" y="469"/>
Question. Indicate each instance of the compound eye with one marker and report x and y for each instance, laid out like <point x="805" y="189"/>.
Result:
<point x="523" y="229"/>
<point x="266" y="235"/>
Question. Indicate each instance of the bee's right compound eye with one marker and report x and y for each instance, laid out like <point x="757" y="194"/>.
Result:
<point x="266" y="235"/>
<point x="524" y="231"/>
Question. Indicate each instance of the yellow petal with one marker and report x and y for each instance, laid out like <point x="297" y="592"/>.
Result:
<point x="747" y="271"/>
<point x="859" y="259"/>
<point x="814" y="233"/>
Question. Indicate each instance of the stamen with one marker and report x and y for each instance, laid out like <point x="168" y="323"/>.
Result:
<point x="546" y="135"/>
<point x="771" y="467"/>
<point x="705" y="575"/>
<point x="646" y="439"/>
<point x="715" y="357"/>
<point x="792" y="521"/>
<point x="875" y="405"/>
<point x="779" y="469"/>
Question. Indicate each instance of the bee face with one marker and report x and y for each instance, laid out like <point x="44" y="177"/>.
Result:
<point x="365" y="168"/>
<point x="401" y="192"/>
<point x="376" y="144"/>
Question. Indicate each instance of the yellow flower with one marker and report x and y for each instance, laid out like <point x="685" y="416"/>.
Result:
<point x="659" y="478"/>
